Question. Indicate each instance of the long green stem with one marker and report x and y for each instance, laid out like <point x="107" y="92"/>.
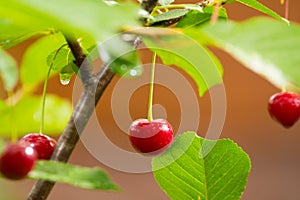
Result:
<point x="45" y="89"/>
<point x="14" y="135"/>
<point x="150" y="117"/>
<point x="44" y="99"/>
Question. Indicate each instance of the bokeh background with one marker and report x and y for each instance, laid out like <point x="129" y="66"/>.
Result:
<point x="274" y="150"/>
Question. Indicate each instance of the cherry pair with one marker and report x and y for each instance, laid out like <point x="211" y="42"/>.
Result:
<point x="18" y="159"/>
<point x="284" y="107"/>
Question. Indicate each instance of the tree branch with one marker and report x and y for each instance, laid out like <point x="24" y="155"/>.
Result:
<point x="148" y="5"/>
<point x="84" y="68"/>
<point x="94" y="88"/>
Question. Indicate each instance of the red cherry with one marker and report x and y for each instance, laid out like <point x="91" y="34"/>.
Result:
<point x="150" y="136"/>
<point x="285" y="108"/>
<point x="43" y="144"/>
<point x="17" y="161"/>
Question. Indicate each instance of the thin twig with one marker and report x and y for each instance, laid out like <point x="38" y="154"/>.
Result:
<point x="94" y="88"/>
<point x="286" y="12"/>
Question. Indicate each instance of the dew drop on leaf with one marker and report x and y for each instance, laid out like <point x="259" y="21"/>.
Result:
<point x="133" y="72"/>
<point x="64" y="82"/>
<point x="64" y="78"/>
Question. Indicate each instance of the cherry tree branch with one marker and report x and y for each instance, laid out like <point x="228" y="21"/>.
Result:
<point x="84" y="68"/>
<point x="94" y="88"/>
<point x="148" y="5"/>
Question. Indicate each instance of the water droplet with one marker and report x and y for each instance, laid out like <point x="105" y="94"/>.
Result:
<point x="64" y="78"/>
<point x="133" y="72"/>
<point x="64" y="82"/>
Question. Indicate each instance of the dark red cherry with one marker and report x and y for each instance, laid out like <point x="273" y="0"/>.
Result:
<point x="284" y="107"/>
<point x="43" y="145"/>
<point x="17" y="161"/>
<point x="150" y="136"/>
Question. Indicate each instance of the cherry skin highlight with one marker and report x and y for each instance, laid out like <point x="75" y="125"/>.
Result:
<point x="43" y="145"/>
<point x="284" y="107"/>
<point x="150" y="136"/>
<point x="17" y="161"/>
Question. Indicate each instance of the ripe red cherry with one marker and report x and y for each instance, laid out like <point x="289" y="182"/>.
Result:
<point x="17" y="161"/>
<point x="150" y="136"/>
<point x="43" y="145"/>
<point x="285" y="108"/>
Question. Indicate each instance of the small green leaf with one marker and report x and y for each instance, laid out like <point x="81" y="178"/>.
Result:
<point x="196" y="168"/>
<point x="121" y="57"/>
<point x="25" y="116"/>
<point x="196" y="18"/>
<point x="258" y="6"/>
<point x="62" y="61"/>
<point x="272" y="52"/>
<point x="172" y="14"/>
<point x="67" y="72"/>
<point x="180" y="50"/>
<point x="87" y="178"/>
<point x="8" y="70"/>
<point x="60" y="58"/>
<point x="165" y="2"/>
<point x="34" y="66"/>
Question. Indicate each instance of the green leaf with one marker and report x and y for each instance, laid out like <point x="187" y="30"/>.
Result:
<point x="196" y="17"/>
<point x="34" y="66"/>
<point x="165" y="2"/>
<point x="172" y="14"/>
<point x="177" y="49"/>
<point x="67" y="72"/>
<point x="8" y="70"/>
<point x="196" y="168"/>
<point x="93" y="17"/>
<point x="60" y="59"/>
<point x="87" y="178"/>
<point x="121" y="57"/>
<point x="258" y="6"/>
<point x="25" y="116"/>
<point x="87" y="44"/>
<point x="272" y="52"/>
<point x="12" y="34"/>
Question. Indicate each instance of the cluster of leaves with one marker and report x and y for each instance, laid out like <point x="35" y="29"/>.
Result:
<point x="182" y="172"/>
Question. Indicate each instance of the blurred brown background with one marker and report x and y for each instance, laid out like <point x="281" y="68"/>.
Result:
<point x="274" y="151"/>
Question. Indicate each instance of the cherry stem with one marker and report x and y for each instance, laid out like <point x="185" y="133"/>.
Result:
<point x="215" y="15"/>
<point x="45" y="89"/>
<point x="150" y="117"/>
<point x="286" y="9"/>
<point x="44" y="99"/>
<point x="14" y="135"/>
